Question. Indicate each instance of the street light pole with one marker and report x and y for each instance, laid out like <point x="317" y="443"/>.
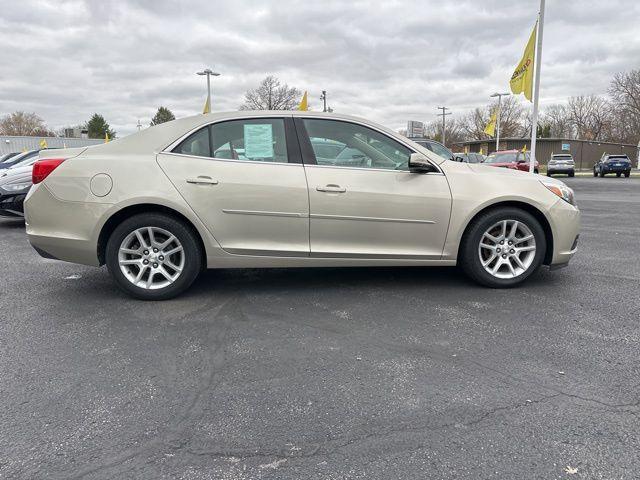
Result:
<point x="444" y="114"/>
<point x="499" y="95"/>
<point x="323" y="97"/>
<point x="208" y="72"/>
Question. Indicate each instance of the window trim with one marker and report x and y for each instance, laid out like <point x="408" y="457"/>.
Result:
<point x="309" y="157"/>
<point x="294" y="156"/>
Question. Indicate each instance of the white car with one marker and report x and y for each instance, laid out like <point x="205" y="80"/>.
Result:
<point x="157" y="207"/>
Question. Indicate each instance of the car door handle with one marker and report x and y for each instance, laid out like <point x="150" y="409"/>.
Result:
<point x="202" y="180"/>
<point x="331" y="188"/>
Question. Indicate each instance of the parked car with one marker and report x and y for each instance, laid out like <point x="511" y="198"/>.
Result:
<point x="7" y="156"/>
<point x="14" y="185"/>
<point x="561" y="163"/>
<point x="13" y="160"/>
<point x="469" y="157"/>
<point x="513" y="159"/>
<point x="157" y="207"/>
<point x="613" y="163"/>
<point x="435" y="147"/>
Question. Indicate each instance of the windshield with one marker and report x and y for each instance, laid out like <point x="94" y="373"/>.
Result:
<point x="509" y="157"/>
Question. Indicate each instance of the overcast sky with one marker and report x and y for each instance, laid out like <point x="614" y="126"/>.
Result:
<point x="389" y="61"/>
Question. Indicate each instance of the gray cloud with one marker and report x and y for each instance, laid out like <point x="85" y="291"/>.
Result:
<point x="389" y="61"/>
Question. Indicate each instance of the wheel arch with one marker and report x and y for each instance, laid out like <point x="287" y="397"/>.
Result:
<point x="527" y="207"/>
<point x="119" y="216"/>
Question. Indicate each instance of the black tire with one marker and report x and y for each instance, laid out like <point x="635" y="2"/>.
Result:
<point x="595" y="174"/>
<point x="619" y="174"/>
<point x="627" y="174"/>
<point x="536" y="171"/>
<point x="469" y="259"/>
<point x="602" y="174"/>
<point x="572" y="174"/>
<point x="548" y="174"/>
<point x="186" y="236"/>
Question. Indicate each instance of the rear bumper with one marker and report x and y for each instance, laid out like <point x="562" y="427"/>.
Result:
<point x="622" y="169"/>
<point x="560" y="169"/>
<point x="62" y="230"/>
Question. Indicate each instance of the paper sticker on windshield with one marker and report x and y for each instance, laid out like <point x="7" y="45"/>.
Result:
<point x="258" y="141"/>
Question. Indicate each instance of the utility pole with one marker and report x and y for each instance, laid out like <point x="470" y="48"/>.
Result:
<point x="323" y="97"/>
<point x="208" y="72"/>
<point x="499" y="95"/>
<point x="444" y="126"/>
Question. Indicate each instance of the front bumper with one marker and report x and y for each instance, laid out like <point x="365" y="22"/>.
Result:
<point x="565" y="225"/>
<point x="12" y="204"/>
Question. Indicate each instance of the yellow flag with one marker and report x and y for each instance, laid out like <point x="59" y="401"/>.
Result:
<point x="524" y="149"/>
<point x="43" y="143"/>
<point x="522" y="78"/>
<point x="490" y="129"/>
<point x="106" y="137"/>
<point x="207" y="105"/>
<point x="481" y="151"/>
<point x="303" y="103"/>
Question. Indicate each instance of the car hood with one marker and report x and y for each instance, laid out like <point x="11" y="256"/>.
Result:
<point x="489" y="169"/>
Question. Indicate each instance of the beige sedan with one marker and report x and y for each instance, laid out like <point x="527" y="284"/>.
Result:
<point x="289" y="189"/>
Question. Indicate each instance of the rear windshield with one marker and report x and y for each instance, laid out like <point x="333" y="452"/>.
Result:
<point x="502" y="158"/>
<point x="618" y="157"/>
<point x="563" y="157"/>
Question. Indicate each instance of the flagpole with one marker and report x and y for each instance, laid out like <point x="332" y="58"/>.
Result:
<point x="498" y="123"/>
<point x="536" y="87"/>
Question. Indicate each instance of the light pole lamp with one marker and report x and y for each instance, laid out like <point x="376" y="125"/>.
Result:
<point x="499" y="95"/>
<point x="208" y="72"/>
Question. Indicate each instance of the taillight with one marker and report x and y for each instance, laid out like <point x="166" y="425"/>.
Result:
<point x="42" y="168"/>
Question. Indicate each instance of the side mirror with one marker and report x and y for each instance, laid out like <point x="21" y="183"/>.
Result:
<point x="420" y="164"/>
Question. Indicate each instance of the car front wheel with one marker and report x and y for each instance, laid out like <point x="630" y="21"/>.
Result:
<point x="627" y="174"/>
<point x="502" y="247"/>
<point x="153" y="256"/>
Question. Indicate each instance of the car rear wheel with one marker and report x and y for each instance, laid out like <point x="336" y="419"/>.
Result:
<point x="601" y="174"/>
<point x="572" y="174"/>
<point x="619" y="174"/>
<point x="595" y="173"/>
<point x="502" y="247"/>
<point x="627" y="174"/>
<point x="153" y="256"/>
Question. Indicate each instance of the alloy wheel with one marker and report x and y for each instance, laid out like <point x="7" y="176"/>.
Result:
<point x="151" y="258"/>
<point x="507" y="249"/>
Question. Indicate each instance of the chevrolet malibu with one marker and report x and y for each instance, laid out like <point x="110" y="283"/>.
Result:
<point x="289" y="189"/>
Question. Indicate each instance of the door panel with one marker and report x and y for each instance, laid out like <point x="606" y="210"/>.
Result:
<point x="249" y="207"/>
<point x="363" y="212"/>
<point x="252" y="195"/>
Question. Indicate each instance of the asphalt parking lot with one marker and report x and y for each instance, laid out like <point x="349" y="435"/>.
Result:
<point x="329" y="374"/>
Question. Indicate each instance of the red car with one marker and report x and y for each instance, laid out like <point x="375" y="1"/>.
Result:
<point x="514" y="159"/>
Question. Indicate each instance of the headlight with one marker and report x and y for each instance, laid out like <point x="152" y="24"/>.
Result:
<point x="562" y="191"/>
<point x="16" y="187"/>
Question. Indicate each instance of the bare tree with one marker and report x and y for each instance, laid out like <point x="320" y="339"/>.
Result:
<point x="23" y="123"/>
<point x="271" y="95"/>
<point x="557" y="118"/>
<point x="589" y="116"/>
<point x="625" y="96"/>
<point x="511" y="120"/>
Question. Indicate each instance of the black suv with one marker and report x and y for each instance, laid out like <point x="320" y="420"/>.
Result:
<point x="612" y="163"/>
